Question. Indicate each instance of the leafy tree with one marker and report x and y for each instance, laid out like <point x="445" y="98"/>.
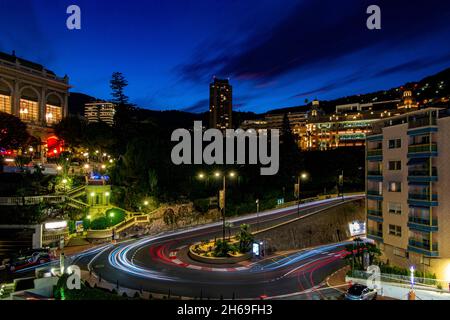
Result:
<point x="72" y="130"/>
<point x="245" y="238"/>
<point x="13" y="132"/>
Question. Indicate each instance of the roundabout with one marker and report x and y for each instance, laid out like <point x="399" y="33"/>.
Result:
<point x="162" y="264"/>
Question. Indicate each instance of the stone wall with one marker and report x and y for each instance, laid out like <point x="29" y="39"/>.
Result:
<point x="327" y="226"/>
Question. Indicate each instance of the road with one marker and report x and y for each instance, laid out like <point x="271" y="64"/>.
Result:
<point x="160" y="264"/>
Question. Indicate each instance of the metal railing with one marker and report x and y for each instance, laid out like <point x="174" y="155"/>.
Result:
<point x="423" y="245"/>
<point x="374" y="152"/>
<point x="375" y="233"/>
<point x="374" y="212"/>
<point x="374" y="173"/>
<point x="423" y="196"/>
<point x="423" y="221"/>
<point x="418" y="148"/>
<point x="423" y="172"/>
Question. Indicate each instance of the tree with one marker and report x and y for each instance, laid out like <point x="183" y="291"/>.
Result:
<point x="22" y="161"/>
<point x="245" y="238"/>
<point x="291" y="161"/>
<point x="13" y="132"/>
<point x="72" y="130"/>
<point x="118" y="84"/>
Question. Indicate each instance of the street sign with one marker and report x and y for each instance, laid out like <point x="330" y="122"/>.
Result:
<point x="221" y="199"/>
<point x="296" y="190"/>
<point x="280" y="201"/>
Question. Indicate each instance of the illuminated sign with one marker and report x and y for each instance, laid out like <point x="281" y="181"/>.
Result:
<point x="357" y="228"/>
<point x="55" y="225"/>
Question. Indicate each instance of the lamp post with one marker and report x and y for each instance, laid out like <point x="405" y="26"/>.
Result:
<point x="222" y="193"/>
<point x="257" y="214"/>
<point x="302" y="176"/>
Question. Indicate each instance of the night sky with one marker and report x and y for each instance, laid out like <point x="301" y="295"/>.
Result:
<point x="276" y="53"/>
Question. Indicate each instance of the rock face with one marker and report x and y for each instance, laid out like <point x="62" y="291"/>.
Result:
<point x="328" y="226"/>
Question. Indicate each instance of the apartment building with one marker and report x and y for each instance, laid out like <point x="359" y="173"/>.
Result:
<point x="100" y="111"/>
<point x="408" y="178"/>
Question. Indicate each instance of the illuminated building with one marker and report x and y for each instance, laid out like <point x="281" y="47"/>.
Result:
<point x="220" y="104"/>
<point x="407" y="179"/>
<point x="100" y="111"/>
<point x="34" y="94"/>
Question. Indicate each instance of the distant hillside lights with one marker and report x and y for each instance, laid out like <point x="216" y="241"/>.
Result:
<point x="213" y="152"/>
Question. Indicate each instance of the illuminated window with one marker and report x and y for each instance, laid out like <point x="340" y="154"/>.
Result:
<point x="29" y="110"/>
<point x="52" y="114"/>
<point x="395" y="187"/>
<point x="5" y="103"/>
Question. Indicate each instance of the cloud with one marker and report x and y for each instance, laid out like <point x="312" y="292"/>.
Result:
<point x="198" y="107"/>
<point x="317" y="32"/>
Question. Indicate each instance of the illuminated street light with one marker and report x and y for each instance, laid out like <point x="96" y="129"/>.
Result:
<point x="304" y="175"/>
<point x="86" y="166"/>
<point x="59" y="168"/>
<point x="92" y="194"/>
<point x="103" y="166"/>
<point x="201" y="175"/>
<point x="107" y="193"/>
<point x="232" y="174"/>
<point x="110" y="160"/>
<point x="145" y="203"/>
<point x="111" y="214"/>
<point x="64" y="181"/>
<point x="217" y="174"/>
<point x="88" y="217"/>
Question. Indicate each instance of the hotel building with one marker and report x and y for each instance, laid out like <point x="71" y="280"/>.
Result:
<point x="35" y="95"/>
<point x="100" y="111"/>
<point x="407" y="180"/>
<point x="220" y="104"/>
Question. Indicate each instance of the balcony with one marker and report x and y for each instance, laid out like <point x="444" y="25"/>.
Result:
<point x="423" y="248"/>
<point x="375" y="175"/>
<point x="421" y="224"/>
<point x="423" y="199"/>
<point x="422" y="150"/>
<point x="375" y="235"/>
<point x="423" y="175"/>
<point x="374" y="195"/>
<point x="375" y="154"/>
<point x="375" y="215"/>
<point x="422" y="122"/>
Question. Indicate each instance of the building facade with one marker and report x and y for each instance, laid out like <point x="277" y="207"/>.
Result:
<point x="407" y="179"/>
<point x="220" y="104"/>
<point x="100" y="111"/>
<point x="35" y="95"/>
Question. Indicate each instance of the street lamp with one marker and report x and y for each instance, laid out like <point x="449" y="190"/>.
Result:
<point x="222" y="193"/>
<point x="145" y="203"/>
<point x="302" y="176"/>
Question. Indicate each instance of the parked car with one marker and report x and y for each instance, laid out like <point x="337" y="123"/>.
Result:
<point x="360" y="292"/>
<point x="36" y="258"/>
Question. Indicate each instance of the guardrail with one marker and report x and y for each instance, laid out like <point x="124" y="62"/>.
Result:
<point x="32" y="200"/>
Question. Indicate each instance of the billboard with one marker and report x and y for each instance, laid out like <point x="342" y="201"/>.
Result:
<point x="357" y="228"/>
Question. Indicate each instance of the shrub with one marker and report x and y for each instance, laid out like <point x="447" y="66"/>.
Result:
<point x="100" y="223"/>
<point x="201" y="205"/>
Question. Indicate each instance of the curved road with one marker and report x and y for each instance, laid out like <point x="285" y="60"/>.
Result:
<point x="160" y="264"/>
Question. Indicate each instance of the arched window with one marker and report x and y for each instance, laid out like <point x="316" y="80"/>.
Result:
<point x="29" y="106"/>
<point x="5" y="98"/>
<point x="53" y="109"/>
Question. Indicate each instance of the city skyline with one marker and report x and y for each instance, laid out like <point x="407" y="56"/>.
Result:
<point x="168" y="69"/>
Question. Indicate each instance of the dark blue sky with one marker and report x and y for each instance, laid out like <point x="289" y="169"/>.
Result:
<point x="276" y="53"/>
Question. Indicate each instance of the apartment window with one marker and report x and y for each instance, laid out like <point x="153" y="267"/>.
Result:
<point x="425" y="261"/>
<point x="395" y="143"/>
<point x="399" y="252"/>
<point x="395" y="187"/>
<point x="395" y="165"/>
<point x="395" y="208"/>
<point x="395" y="230"/>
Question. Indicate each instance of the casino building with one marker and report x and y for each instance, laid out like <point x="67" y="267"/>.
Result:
<point x="37" y="96"/>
